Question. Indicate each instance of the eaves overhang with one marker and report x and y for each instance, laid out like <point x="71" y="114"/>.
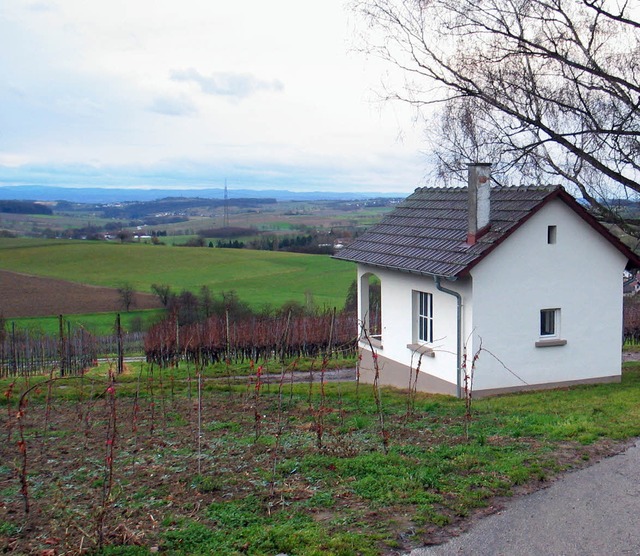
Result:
<point x="450" y="277"/>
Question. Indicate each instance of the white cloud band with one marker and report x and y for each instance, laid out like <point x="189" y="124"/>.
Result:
<point x="228" y="84"/>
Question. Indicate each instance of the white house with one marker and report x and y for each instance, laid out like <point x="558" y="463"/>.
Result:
<point x="523" y="279"/>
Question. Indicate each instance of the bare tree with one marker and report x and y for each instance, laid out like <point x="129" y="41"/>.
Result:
<point x="548" y="89"/>
<point x="207" y="304"/>
<point x="124" y="235"/>
<point x="162" y="292"/>
<point x="127" y="295"/>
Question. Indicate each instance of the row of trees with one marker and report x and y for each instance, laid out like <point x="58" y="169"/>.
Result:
<point x="296" y="244"/>
<point x="631" y="320"/>
<point x="190" y="307"/>
<point x="235" y="338"/>
<point x="210" y="328"/>
<point x="24" y="207"/>
<point x="118" y="229"/>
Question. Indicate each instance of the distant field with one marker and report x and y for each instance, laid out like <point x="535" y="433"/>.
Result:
<point x="259" y="277"/>
<point x="36" y="296"/>
<point x="36" y="223"/>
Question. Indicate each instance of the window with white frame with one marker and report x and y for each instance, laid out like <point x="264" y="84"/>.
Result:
<point x="550" y="323"/>
<point x="423" y="317"/>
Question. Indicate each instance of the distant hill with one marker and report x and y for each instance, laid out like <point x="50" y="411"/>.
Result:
<point x="115" y="195"/>
<point x="24" y="207"/>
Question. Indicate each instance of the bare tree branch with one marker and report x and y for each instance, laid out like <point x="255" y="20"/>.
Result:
<point x="550" y="89"/>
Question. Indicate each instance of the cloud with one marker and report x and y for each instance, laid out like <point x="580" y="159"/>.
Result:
<point x="268" y="171"/>
<point x="41" y="7"/>
<point x="12" y="160"/>
<point x="213" y="84"/>
<point x="173" y="106"/>
<point x="228" y="84"/>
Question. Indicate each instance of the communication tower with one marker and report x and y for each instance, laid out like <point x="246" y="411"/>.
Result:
<point x="225" y="217"/>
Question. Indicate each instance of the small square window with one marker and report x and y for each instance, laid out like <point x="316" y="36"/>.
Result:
<point x="549" y="323"/>
<point x="551" y="234"/>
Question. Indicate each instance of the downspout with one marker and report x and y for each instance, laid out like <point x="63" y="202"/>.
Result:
<point x="458" y="297"/>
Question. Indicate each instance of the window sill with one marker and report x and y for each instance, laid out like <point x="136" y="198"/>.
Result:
<point x="422" y="349"/>
<point x="551" y="342"/>
<point x="376" y="343"/>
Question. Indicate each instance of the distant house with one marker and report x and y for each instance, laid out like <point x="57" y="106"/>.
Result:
<point x="523" y="277"/>
<point x="631" y="284"/>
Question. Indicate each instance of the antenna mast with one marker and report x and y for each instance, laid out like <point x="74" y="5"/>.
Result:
<point x="225" y="218"/>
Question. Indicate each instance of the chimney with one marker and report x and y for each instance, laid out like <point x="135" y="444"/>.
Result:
<point x="478" y="200"/>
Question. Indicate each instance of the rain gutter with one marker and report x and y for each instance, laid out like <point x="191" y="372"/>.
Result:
<point x="458" y="297"/>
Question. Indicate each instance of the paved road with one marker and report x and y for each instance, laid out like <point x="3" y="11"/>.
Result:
<point x="594" y="511"/>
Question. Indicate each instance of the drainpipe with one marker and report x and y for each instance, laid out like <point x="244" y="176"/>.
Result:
<point x="458" y="297"/>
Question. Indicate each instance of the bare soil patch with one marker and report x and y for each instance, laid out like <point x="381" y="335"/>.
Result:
<point x="24" y="295"/>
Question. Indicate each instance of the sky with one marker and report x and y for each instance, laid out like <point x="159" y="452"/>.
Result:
<point x="158" y="93"/>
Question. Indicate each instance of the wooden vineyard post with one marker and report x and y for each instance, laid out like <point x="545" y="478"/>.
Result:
<point x="62" y="350"/>
<point x="120" y="351"/>
<point x="14" y="350"/>
<point x="68" y="354"/>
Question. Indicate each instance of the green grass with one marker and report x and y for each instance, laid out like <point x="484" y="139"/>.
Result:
<point x="631" y="345"/>
<point x="96" y="323"/>
<point x="609" y="411"/>
<point x="259" y="277"/>
<point x="280" y="493"/>
<point x="173" y="240"/>
<point x="278" y="226"/>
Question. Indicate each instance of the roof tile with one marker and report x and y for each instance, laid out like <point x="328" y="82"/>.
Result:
<point x="427" y="232"/>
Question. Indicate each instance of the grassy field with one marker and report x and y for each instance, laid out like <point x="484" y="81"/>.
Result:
<point x="96" y="323"/>
<point x="281" y="467"/>
<point x="259" y="277"/>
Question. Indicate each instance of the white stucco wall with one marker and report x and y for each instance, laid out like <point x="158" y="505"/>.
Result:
<point x="397" y="321"/>
<point x="581" y="274"/>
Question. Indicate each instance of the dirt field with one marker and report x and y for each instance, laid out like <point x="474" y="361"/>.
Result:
<point x="23" y="295"/>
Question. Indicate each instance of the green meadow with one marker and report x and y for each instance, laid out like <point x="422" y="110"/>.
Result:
<point x="96" y="323"/>
<point x="261" y="278"/>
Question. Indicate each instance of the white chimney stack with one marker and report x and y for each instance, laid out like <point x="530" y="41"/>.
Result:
<point x="479" y="200"/>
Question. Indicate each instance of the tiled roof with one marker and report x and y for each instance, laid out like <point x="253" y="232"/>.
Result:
<point x="427" y="233"/>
